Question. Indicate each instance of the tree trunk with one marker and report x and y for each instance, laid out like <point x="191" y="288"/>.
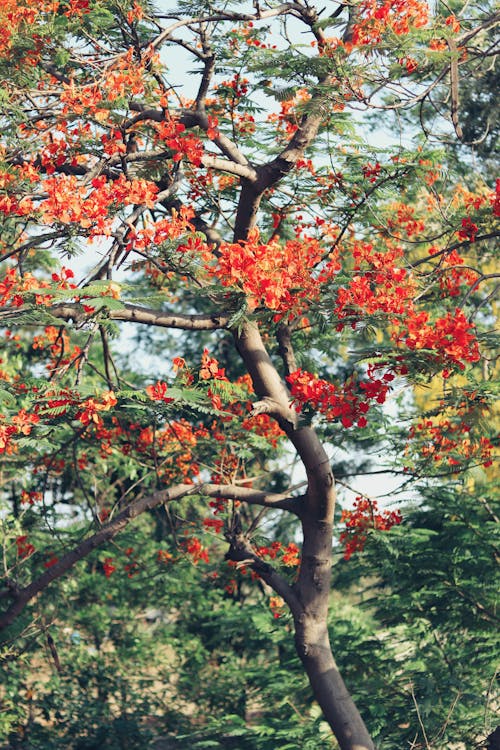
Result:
<point x="311" y="591"/>
<point x="313" y="647"/>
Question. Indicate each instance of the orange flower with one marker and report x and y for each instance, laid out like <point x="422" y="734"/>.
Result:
<point x="157" y="392"/>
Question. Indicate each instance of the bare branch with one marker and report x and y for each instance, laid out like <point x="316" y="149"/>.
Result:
<point x="454" y="88"/>
<point x="224" y="165"/>
<point x="292" y="8"/>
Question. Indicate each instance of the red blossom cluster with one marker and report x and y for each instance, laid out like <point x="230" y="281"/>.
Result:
<point x="172" y="133"/>
<point x="158" y="392"/>
<point x="31" y="497"/>
<point x="349" y="402"/>
<point x="378" y="284"/>
<point x="194" y="548"/>
<point x="378" y="17"/>
<point x="364" y="516"/>
<point x="164" y="557"/>
<point x="468" y="231"/>
<point x="371" y="171"/>
<point x="276" y="604"/>
<point x="14" y="288"/>
<point x="451" y="440"/>
<point x="25" y="16"/>
<point x="290" y="554"/>
<point x="108" y="567"/>
<point x="90" y="410"/>
<point x="402" y="215"/>
<point x="51" y="561"/>
<point x="288" y="118"/>
<point x="68" y="201"/>
<point x="453" y="277"/>
<point x="125" y="77"/>
<point x="216" y="524"/>
<point x="163" y="230"/>
<point x="452" y="338"/>
<point x="277" y="276"/>
<point x="24" y="548"/>
<point x="210" y="369"/>
<point x="20" y="424"/>
<point x="55" y="342"/>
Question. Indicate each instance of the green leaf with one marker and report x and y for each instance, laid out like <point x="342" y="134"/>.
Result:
<point x="7" y="398"/>
<point x="100" y="303"/>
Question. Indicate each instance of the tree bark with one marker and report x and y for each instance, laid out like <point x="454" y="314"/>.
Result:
<point x="339" y="710"/>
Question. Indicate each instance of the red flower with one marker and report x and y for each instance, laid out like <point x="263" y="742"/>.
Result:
<point x="24" y="548"/>
<point x="157" y="392"/>
<point x="108" y="567"/>
<point x="468" y="231"/>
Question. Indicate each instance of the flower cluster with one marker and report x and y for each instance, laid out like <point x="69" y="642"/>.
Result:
<point x="364" y="516"/>
<point x="451" y="440"/>
<point x="378" y="283"/>
<point x="90" y="410"/>
<point x="20" y="424"/>
<point x="377" y="17"/>
<point x="24" y="548"/>
<point x="276" y="605"/>
<point x="288" y="555"/>
<point x="349" y="402"/>
<point x="158" y="392"/>
<point x="172" y="133"/>
<point x="277" y="276"/>
<point x="195" y="550"/>
<point x="451" y="338"/>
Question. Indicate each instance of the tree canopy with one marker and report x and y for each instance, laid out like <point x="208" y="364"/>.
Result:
<point x="248" y="262"/>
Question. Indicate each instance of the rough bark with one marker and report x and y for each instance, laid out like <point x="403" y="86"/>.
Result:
<point x="313" y="647"/>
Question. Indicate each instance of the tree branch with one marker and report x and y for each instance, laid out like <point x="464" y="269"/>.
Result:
<point x="21" y="596"/>
<point x="240" y="550"/>
<point x="285" y="348"/>
<point x="233" y="167"/>
<point x="291" y="8"/>
<point x="129" y="313"/>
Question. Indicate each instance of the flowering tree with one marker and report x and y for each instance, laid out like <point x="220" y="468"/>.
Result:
<point x="238" y="208"/>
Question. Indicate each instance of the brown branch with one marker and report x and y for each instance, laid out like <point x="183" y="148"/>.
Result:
<point x="194" y="118"/>
<point x="285" y="8"/>
<point x="200" y="322"/>
<point x="454" y="88"/>
<point x="224" y="165"/>
<point x="21" y="596"/>
<point x="455" y="246"/>
<point x="273" y="171"/>
<point x="129" y="313"/>
<point x="208" y="69"/>
<point x="492" y="20"/>
<point x="240" y="550"/>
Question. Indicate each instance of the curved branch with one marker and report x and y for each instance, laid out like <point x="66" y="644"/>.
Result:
<point x="455" y="246"/>
<point x="233" y="167"/>
<point x="22" y="596"/>
<point x="240" y="550"/>
<point x="291" y="8"/>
